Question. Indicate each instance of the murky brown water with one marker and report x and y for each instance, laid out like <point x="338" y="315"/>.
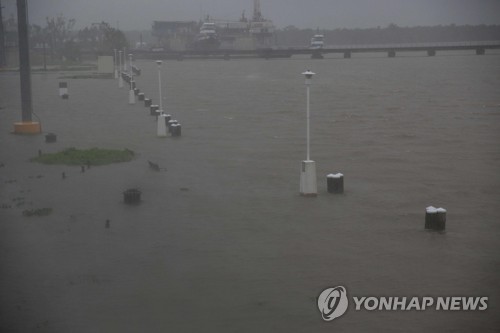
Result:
<point x="222" y="241"/>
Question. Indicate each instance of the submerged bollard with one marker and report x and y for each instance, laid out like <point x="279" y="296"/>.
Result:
<point x="153" y="109"/>
<point x="435" y="218"/>
<point x="147" y="102"/>
<point x="51" y="137"/>
<point x="430" y="217"/>
<point x="161" y="126"/>
<point x="137" y="91"/>
<point x="441" y="219"/>
<point x="132" y="196"/>
<point x="167" y="119"/>
<point x="170" y="123"/>
<point x="140" y="96"/>
<point x="63" y="89"/>
<point x="335" y="183"/>
<point x="176" y="130"/>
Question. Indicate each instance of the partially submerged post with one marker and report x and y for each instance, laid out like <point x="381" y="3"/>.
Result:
<point x="435" y="218"/>
<point x="308" y="185"/>
<point x="161" y="127"/>
<point x="132" y="196"/>
<point x="27" y="125"/>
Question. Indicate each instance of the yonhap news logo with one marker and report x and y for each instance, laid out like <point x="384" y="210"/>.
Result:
<point x="333" y="303"/>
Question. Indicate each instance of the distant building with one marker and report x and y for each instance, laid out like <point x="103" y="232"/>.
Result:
<point x="174" y="35"/>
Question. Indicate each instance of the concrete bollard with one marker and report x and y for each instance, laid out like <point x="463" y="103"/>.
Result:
<point x="308" y="184"/>
<point x="147" y="102"/>
<point x="441" y="219"/>
<point x="176" y="130"/>
<point x="430" y="217"/>
<point x="167" y="119"/>
<point x="137" y="91"/>
<point x="132" y="196"/>
<point x="131" y="97"/>
<point x="63" y="89"/>
<point x="132" y="84"/>
<point x="51" y="137"/>
<point x="153" y="108"/>
<point x="161" y="126"/>
<point x="170" y="123"/>
<point x="335" y="183"/>
<point x="435" y="218"/>
<point x="140" y="96"/>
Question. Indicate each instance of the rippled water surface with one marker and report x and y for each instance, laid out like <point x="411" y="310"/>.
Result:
<point x="222" y="241"/>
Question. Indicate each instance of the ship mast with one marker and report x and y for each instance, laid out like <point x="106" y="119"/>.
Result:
<point x="257" y="15"/>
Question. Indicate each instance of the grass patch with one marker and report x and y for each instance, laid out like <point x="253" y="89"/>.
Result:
<point x="37" y="212"/>
<point x="94" y="156"/>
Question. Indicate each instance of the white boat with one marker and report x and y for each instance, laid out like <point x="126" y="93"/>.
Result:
<point x="317" y="42"/>
<point x="207" y="38"/>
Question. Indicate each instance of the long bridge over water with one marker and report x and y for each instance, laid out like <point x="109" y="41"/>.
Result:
<point x="431" y="49"/>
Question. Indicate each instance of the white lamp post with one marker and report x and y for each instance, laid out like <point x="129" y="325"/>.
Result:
<point x="114" y="63"/>
<point x="124" y="62"/>
<point x="131" y="94"/>
<point x="120" y="79"/>
<point x="308" y="184"/>
<point x="161" y="123"/>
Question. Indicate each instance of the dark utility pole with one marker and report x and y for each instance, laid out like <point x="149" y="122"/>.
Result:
<point x="3" y="62"/>
<point x="24" y="60"/>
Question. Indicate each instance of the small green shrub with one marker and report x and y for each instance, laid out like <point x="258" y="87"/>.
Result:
<point x="93" y="156"/>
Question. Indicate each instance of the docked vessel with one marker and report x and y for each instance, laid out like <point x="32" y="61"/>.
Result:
<point x="207" y="38"/>
<point x="243" y="34"/>
<point x="317" y="42"/>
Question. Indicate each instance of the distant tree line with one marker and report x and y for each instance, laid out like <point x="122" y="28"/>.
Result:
<point x="292" y="36"/>
<point x="61" y="42"/>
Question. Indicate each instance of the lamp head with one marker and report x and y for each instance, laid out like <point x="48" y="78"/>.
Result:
<point x="308" y="74"/>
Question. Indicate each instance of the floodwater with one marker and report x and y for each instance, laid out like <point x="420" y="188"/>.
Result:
<point x="222" y="241"/>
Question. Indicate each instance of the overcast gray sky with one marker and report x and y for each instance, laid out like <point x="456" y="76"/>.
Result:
<point x="327" y="14"/>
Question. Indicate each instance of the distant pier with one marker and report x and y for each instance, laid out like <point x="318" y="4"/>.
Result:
<point x="431" y="49"/>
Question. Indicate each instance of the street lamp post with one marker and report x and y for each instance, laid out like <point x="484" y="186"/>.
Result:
<point x="308" y="184"/>
<point x="124" y="62"/>
<point x="161" y="119"/>
<point x="120" y="78"/>
<point x="114" y="64"/>
<point x="131" y="94"/>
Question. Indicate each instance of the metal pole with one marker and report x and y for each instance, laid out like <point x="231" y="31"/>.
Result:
<point x="3" y="61"/>
<point x="114" y="64"/>
<point x="159" y="85"/>
<point x="308" y="131"/>
<point x="24" y="60"/>
<point x="130" y="70"/>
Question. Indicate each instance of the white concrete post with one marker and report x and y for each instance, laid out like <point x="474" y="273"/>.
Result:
<point x="131" y="94"/>
<point x="161" y="119"/>
<point x="308" y="182"/>
<point x="114" y="63"/>
<point x="120" y="78"/>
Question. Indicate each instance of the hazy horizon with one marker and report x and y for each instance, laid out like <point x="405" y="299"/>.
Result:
<point x="323" y="14"/>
